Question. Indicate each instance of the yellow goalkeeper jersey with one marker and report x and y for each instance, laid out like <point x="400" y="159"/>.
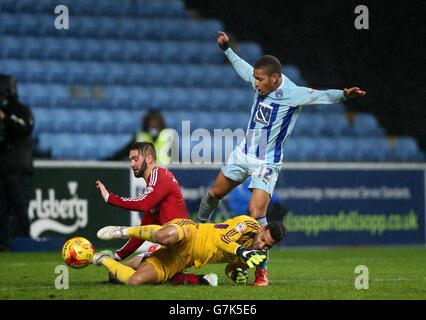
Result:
<point x="217" y="243"/>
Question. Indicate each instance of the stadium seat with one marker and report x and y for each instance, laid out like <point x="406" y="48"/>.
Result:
<point x="87" y="146"/>
<point x="366" y="124"/>
<point x="293" y="73"/>
<point x="125" y="122"/>
<point x="371" y="149"/>
<point x="84" y="122"/>
<point x="182" y="100"/>
<point x="64" y="146"/>
<point x="406" y="149"/>
<point x="336" y="124"/>
<point x="307" y="149"/>
<point x="346" y="148"/>
<point x="63" y="120"/>
<point x="250" y="51"/>
<point x="45" y="141"/>
<point x="326" y="149"/>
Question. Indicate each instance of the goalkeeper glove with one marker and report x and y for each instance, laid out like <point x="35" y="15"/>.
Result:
<point x="252" y="257"/>
<point x="239" y="276"/>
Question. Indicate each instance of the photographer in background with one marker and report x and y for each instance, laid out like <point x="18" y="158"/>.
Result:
<point x="16" y="162"/>
<point x="154" y="130"/>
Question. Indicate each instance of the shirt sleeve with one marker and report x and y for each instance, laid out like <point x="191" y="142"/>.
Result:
<point x="237" y="228"/>
<point x="150" y="198"/>
<point x="301" y="96"/>
<point x="244" y="70"/>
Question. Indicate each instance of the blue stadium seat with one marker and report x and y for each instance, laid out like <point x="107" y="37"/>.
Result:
<point x="16" y="68"/>
<point x="70" y="72"/>
<point x="122" y="97"/>
<point x="326" y="149"/>
<point x="346" y="148"/>
<point x="64" y="146"/>
<point x="35" y="95"/>
<point x="307" y="150"/>
<point x="250" y="51"/>
<point x="293" y="73"/>
<point x="242" y="99"/>
<point x="107" y="145"/>
<point x="103" y="122"/>
<point x="200" y="99"/>
<point x="125" y="122"/>
<point x="336" y="124"/>
<point x="116" y="73"/>
<point x="135" y="74"/>
<point x="372" y="149"/>
<point x="63" y="120"/>
<point x="84" y="122"/>
<point x="406" y="149"/>
<point x="185" y="75"/>
<point x="45" y="141"/>
<point x="142" y="51"/>
<point x="44" y="119"/>
<point x="366" y="124"/>
<point x="309" y="124"/>
<point x="87" y="146"/>
<point x="182" y="99"/>
<point x="219" y="99"/>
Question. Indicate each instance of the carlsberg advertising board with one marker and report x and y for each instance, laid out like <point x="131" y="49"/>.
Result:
<point x="66" y="203"/>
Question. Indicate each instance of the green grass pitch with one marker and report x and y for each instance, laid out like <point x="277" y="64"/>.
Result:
<point x="294" y="273"/>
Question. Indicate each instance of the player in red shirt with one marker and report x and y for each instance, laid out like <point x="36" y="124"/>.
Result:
<point x="161" y="202"/>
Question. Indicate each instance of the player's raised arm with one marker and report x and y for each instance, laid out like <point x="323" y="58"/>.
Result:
<point x="102" y="189"/>
<point x="244" y="70"/>
<point x="302" y="96"/>
<point x="353" y="92"/>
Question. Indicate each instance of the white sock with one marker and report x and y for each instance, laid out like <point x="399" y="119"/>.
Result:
<point x="262" y="221"/>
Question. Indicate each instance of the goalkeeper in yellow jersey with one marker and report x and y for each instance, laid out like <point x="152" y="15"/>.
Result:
<point x="240" y="242"/>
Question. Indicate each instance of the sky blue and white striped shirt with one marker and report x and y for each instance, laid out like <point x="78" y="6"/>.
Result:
<point x="273" y="116"/>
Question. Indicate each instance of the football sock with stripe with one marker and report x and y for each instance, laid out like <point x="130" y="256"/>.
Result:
<point x="263" y="265"/>
<point x="119" y="271"/>
<point x="147" y="232"/>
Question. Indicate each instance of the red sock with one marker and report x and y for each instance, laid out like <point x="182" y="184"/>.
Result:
<point x="185" y="278"/>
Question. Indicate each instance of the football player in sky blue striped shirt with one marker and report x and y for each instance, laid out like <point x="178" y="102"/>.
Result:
<point x="276" y="107"/>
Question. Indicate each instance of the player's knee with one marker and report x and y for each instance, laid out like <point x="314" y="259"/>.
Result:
<point x="167" y="236"/>
<point x="256" y="211"/>
<point x="136" y="280"/>
<point x="216" y="192"/>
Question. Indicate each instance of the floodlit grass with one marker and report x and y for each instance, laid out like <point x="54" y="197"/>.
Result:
<point x="294" y="273"/>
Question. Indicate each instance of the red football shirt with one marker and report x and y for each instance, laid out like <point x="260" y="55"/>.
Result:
<point x="161" y="202"/>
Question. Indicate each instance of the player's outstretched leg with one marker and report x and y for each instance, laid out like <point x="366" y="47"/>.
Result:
<point x="207" y="205"/>
<point x="112" y="233"/>
<point x="98" y="257"/>
<point x="166" y="235"/>
<point x="220" y="188"/>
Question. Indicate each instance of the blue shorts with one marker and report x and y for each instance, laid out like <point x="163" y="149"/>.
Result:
<point x="241" y="166"/>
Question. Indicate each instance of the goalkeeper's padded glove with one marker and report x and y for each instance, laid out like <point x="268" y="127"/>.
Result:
<point x="225" y="45"/>
<point x="239" y="276"/>
<point x="252" y="257"/>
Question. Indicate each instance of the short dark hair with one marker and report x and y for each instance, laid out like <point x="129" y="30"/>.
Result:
<point x="269" y="64"/>
<point x="144" y="148"/>
<point x="277" y="229"/>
